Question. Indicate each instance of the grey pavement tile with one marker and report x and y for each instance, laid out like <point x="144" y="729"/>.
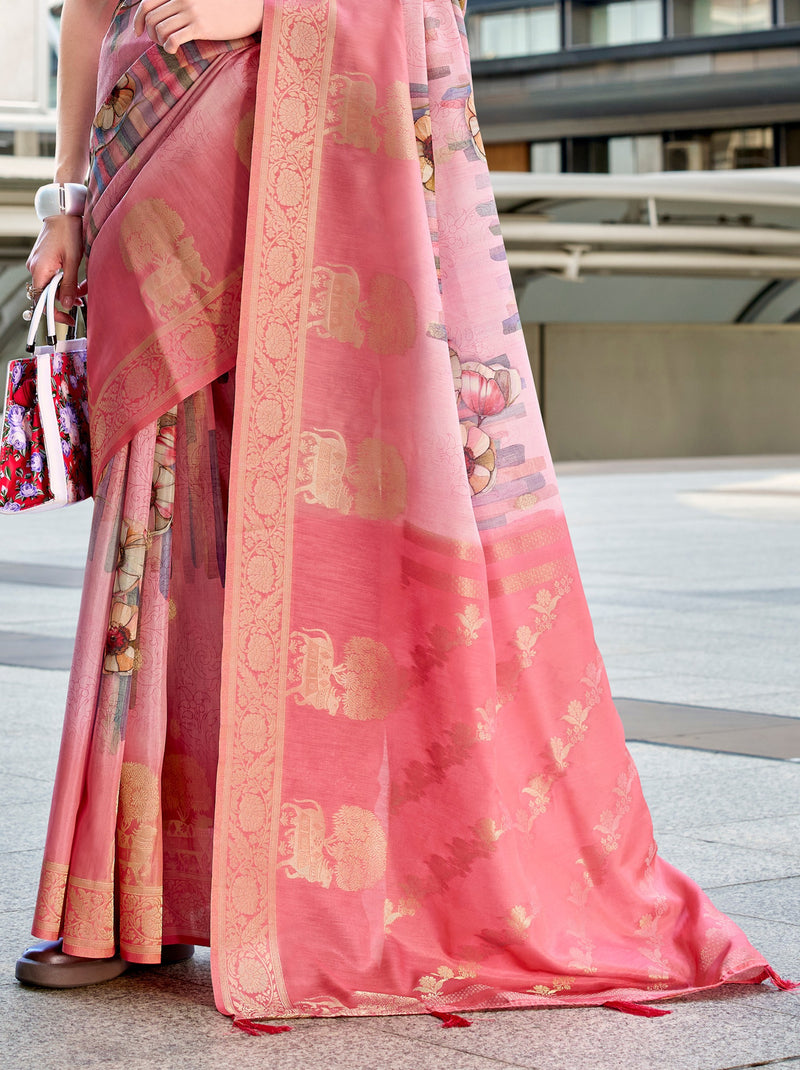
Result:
<point x="45" y="611"/>
<point x="770" y="834"/>
<point x="663" y="687"/>
<point x="673" y="763"/>
<point x="39" y="575"/>
<point x="47" y="539"/>
<point x="144" y="1021"/>
<point x="703" y="1035"/>
<point x="711" y="729"/>
<point x="15" y="936"/>
<point x="771" y="900"/>
<point x="695" y="801"/>
<point x="19" y="826"/>
<point x="719" y="865"/>
<point x="20" y="871"/>
<point x="31" y="650"/>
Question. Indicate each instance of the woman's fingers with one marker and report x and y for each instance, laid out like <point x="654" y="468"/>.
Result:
<point x="169" y="30"/>
<point x="144" y="9"/>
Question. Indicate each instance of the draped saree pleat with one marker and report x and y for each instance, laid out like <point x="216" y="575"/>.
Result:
<point x="393" y="714"/>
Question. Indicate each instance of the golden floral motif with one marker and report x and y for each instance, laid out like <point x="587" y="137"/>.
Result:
<point x="557" y="985"/>
<point x="352" y="111"/>
<point x="385" y="317"/>
<point x="367" y="685"/>
<point x="432" y="985"/>
<point x="544" y="608"/>
<point x="354" y="855"/>
<point x="611" y="820"/>
<point x="299" y="63"/>
<point x="137" y="818"/>
<point x="154" y="247"/>
<point x="651" y="926"/>
<point x="116" y="104"/>
<point x="50" y="898"/>
<point x="373" y="487"/>
<point x="356" y="120"/>
<point x="539" y="786"/>
<point x="406" y="908"/>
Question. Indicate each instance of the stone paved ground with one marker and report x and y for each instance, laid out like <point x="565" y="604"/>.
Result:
<point x="693" y="574"/>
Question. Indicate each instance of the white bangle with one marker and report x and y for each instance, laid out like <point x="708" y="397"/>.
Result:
<point x="60" y="198"/>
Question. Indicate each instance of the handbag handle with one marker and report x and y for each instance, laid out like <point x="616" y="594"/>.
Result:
<point x="46" y="305"/>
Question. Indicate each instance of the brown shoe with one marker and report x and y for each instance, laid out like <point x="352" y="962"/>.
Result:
<point x="48" y="966"/>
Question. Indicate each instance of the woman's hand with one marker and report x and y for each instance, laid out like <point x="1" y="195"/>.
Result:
<point x="59" y="247"/>
<point x="171" y="23"/>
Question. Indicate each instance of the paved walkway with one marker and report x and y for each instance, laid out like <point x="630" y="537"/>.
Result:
<point x="693" y="574"/>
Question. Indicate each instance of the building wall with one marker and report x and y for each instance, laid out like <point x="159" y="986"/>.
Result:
<point x="667" y="390"/>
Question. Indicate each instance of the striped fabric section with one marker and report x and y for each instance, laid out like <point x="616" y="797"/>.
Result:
<point x="144" y="97"/>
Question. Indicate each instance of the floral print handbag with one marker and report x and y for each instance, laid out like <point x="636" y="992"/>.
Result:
<point x="44" y="442"/>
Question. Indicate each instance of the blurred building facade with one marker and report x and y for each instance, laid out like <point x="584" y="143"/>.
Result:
<point x="641" y="360"/>
<point x="626" y="86"/>
<point x="28" y="57"/>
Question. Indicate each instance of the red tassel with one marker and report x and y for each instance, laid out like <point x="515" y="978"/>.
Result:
<point x="256" y="1029"/>
<point x="787" y="986"/>
<point x="450" y="1021"/>
<point x="641" y="1010"/>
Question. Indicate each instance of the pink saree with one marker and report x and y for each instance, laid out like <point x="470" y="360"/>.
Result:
<point x="340" y="629"/>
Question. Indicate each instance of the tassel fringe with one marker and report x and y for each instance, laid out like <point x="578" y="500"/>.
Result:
<point x="450" y="1021"/>
<point x="787" y="986"/>
<point x="641" y="1010"/>
<point x="257" y="1029"/>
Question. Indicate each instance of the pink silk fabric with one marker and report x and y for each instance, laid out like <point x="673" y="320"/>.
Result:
<point x="423" y="797"/>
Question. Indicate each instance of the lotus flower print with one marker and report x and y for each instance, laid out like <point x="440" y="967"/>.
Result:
<point x="487" y="389"/>
<point x="117" y="103"/>
<point x="480" y="458"/>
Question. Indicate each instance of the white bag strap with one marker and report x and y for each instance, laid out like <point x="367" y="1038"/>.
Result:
<point x="56" y="470"/>
<point x="46" y="303"/>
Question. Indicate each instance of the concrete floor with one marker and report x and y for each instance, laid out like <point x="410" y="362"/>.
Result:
<point x="693" y="574"/>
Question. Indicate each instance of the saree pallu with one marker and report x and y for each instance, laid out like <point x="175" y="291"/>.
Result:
<point x="422" y="796"/>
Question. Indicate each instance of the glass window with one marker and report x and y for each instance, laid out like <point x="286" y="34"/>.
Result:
<point x="635" y="155"/>
<point x="720" y="150"/>
<point x="742" y="148"/>
<point x="546" y="157"/>
<point x="703" y="17"/>
<point x="588" y="155"/>
<point x="791" y="11"/>
<point x="523" y="32"/>
<point x="618" y="22"/>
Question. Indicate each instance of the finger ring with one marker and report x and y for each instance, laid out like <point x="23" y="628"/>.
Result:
<point x="32" y="292"/>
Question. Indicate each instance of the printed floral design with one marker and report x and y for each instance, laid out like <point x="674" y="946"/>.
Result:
<point x="487" y="389"/>
<point x="120" y="655"/>
<point x="472" y="123"/>
<point x="117" y="103"/>
<point x="162" y="497"/>
<point x="24" y="479"/>
<point x="480" y="457"/>
<point x="422" y="128"/>
<point x="123" y="628"/>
